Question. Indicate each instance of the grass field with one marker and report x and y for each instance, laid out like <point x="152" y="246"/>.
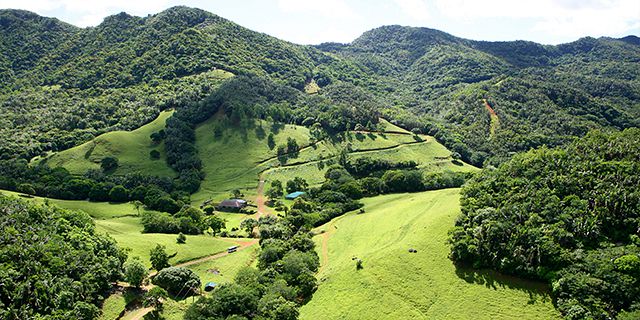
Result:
<point x="130" y="147"/>
<point x="231" y="159"/>
<point x="396" y="284"/>
<point x="223" y="270"/>
<point x="97" y="210"/>
<point x="430" y="155"/>
<point x="128" y="233"/>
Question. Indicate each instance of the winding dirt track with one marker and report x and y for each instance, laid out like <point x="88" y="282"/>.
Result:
<point x="262" y="209"/>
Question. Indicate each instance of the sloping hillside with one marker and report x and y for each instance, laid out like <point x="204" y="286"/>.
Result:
<point x="543" y="94"/>
<point x="397" y="284"/>
<point x="131" y="148"/>
<point x="99" y="79"/>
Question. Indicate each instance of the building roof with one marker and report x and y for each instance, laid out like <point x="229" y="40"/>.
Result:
<point x="294" y="195"/>
<point x="233" y="203"/>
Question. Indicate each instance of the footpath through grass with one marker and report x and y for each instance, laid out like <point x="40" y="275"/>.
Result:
<point x="397" y="284"/>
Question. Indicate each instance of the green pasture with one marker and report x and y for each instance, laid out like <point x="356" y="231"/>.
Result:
<point x="397" y="284"/>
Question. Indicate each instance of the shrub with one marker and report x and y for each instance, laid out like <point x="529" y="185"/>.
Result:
<point x="159" y="257"/>
<point x="154" y="154"/>
<point x="135" y="272"/>
<point x="109" y="164"/>
<point x="119" y="194"/>
<point x="181" y="238"/>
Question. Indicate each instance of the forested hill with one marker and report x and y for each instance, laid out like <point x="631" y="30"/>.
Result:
<point x="125" y="50"/>
<point x="541" y="94"/>
<point x="62" y="85"/>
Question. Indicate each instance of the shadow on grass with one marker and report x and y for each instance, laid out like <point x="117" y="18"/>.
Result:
<point x="537" y="291"/>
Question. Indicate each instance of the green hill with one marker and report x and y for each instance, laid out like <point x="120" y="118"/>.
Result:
<point x="132" y="149"/>
<point x="83" y="75"/>
<point x="541" y="94"/>
<point x="64" y="83"/>
<point x="397" y="284"/>
<point x="239" y="156"/>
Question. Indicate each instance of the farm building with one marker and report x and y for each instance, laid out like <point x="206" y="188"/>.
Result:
<point x="293" y="195"/>
<point x="233" y="205"/>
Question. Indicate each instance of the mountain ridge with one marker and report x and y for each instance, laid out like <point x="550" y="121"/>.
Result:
<point x="427" y="79"/>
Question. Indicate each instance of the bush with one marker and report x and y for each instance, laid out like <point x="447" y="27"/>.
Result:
<point x="154" y="154"/>
<point x="153" y="298"/>
<point x="119" y="194"/>
<point x="135" y="272"/>
<point x="159" y="257"/>
<point x="109" y="164"/>
<point x="181" y="238"/>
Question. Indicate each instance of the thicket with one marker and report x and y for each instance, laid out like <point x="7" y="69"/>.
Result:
<point x="284" y="278"/>
<point x="566" y="215"/>
<point x="188" y="220"/>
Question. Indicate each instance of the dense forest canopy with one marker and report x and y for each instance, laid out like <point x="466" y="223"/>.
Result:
<point x="542" y="95"/>
<point x="53" y="264"/>
<point x="567" y="215"/>
<point x="119" y="74"/>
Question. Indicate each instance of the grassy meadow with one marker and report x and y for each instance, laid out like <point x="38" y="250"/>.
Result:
<point x="130" y="147"/>
<point x="231" y="158"/>
<point x="397" y="284"/>
<point x="121" y="222"/>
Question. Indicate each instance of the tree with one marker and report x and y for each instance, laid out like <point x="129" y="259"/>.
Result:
<point x="138" y="204"/>
<point x="159" y="257"/>
<point x="297" y="184"/>
<point x="292" y="147"/>
<point x="277" y="307"/>
<point x="282" y="153"/>
<point x="109" y="164"/>
<point x="119" y="194"/>
<point x="158" y="136"/>
<point x="135" y="272"/>
<point x="225" y="302"/>
<point x="215" y="223"/>
<point x="85" y="311"/>
<point x="208" y="210"/>
<point x="276" y="189"/>
<point x="181" y="238"/>
<point x="178" y="281"/>
<point x="236" y="194"/>
<point x="271" y="141"/>
<point x="100" y="192"/>
<point x="154" y="297"/>
<point x="26" y="188"/>
<point x="154" y="154"/>
<point x="351" y="189"/>
<point x="248" y="225"/>
<point x="46" y="243"/>
<point x="273" y="195"/>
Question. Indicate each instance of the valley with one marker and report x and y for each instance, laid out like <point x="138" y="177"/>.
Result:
<point x="181" y="166"/>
